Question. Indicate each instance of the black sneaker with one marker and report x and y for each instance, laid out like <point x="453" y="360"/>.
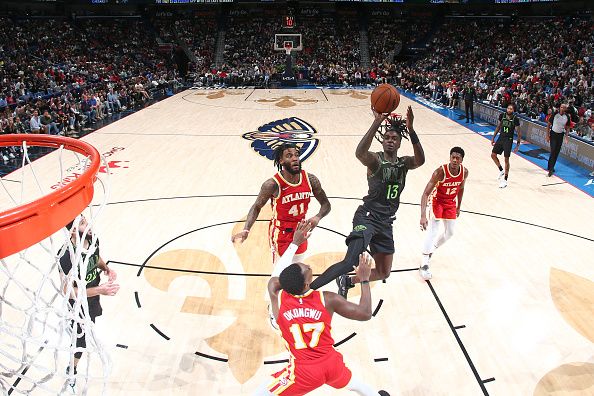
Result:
<point x="343" y="287"/>
<point x="383" y="393"/>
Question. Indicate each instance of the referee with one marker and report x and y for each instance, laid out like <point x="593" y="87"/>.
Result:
<point x="558" y="124"/>
<point x="469" y="98"/>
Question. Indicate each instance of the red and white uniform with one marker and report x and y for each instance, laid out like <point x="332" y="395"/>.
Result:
<point x="444" y="199"/>
<point x="305" y="325"/>
<point x="288" y="209"/>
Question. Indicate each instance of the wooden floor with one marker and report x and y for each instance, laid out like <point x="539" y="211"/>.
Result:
<point x="508" y="312"/>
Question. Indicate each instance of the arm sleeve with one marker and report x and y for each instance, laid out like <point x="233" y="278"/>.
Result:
<point x="285" y="260"/>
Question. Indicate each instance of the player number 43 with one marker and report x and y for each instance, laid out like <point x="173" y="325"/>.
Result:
<point x="297" y="209"/>
<point x="298" y="330"/>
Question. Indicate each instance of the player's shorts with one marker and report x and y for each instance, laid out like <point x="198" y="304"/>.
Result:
<point x="443" y="212"/>
<point x="299" y="378"/>
<point x="503" y="145"/>
<point x="376" y="232"/>
<point x="280" y="239"/>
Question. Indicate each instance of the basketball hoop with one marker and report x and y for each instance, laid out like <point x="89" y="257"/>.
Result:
<point x="32" y="222"/>
<point x="42" y="312"/>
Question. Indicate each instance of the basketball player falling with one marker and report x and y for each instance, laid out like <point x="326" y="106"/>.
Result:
<point x="305" y="321"/>
<point x="446" y="188"/>
<point x="289" y="192"/>
<point x="372" y="223"/>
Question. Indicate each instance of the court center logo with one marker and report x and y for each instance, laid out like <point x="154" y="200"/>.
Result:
<point x="288" y="130"/>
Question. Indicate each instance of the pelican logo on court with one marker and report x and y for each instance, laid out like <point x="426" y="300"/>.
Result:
<point x="289" y="130"/>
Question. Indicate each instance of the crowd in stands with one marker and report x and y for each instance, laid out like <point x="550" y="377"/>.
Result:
<point x="249" y="56"/>
<point x="386" y="35"/>
<point x="61" y="75"/>
<point x="508" y="63"/>
<point x="58" y="76"/>
<point x="199" y="38"/>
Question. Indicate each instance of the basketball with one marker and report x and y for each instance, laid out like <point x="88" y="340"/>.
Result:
<point x="385" y="98"/>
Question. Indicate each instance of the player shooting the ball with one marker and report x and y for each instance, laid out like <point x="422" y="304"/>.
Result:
<point x="372" y="223"/>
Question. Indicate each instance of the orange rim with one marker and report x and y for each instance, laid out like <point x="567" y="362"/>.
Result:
<point x="25" y="225"/>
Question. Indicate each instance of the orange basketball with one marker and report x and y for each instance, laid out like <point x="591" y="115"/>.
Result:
<point x="385" y="98"/>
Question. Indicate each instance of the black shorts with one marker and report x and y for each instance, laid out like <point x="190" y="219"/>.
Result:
<point x="503" y="145"/>
<point x="376" y="232"/>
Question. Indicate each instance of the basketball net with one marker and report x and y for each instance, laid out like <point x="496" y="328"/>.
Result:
<point x="39" y="326"/>
<point x="288" y="48"/>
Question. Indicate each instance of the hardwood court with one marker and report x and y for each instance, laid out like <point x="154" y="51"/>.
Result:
<point x="508" y="312"/>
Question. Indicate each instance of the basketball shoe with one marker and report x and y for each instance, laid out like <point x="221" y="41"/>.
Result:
<point x="501" y="174"/>
<point x="344" y="284"/>
<point x="425" y="272"/>
<point x="71" y="380"/>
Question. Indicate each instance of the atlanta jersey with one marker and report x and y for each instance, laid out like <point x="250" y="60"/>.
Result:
<point x="444" y="199"/>
<point x="288" y="209"/>
<point x="305" y="324"/>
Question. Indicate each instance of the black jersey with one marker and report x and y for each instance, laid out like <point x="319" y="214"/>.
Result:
<point x="385" y="187"/>
<point x="508" y="126"/>
<point x="92" y="276"/>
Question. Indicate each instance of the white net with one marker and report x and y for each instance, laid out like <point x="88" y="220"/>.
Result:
<point x="48" y="342"/>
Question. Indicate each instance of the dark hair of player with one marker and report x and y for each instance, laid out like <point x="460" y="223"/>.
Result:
<point x="278" y="153"/>
<point x="394" y="124"/>
<point x="458" y="150"/>
<point x="292" y="279"/>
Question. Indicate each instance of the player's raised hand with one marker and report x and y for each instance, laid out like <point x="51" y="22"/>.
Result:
<point x="378" y="116"/>
<point x="410" y="117"/>
<point x="302" y="232"/>
<point x="240" y="236"/>
<point x="364" y="268"/>
<point x="313" y="222"/>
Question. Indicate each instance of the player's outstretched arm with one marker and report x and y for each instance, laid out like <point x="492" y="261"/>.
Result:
<point x="419" y="158"/>
<point x="320" y="194"/>
<point x="269" y="189"/>
<point x="361" y="311"/>
<point x="435" y="178"/>
<point x="367" y="158"/>
<point x="302" y="232"/>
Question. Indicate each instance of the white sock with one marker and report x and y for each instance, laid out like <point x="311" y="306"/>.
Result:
<point x="360" y="387"/>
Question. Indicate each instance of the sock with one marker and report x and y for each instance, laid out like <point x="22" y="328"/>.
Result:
<point x="505" y="177"/>
<point x="500" y="168"/>
<point x="425" y="261"/>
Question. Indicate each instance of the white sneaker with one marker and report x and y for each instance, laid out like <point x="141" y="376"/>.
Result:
<point x="11" y="155"/>
<point x="5" y="158"/>
<point x="503" y="183"/>
<point x="592" y="174"/>
<point x="501" y="174"/>
<point x="425" y="273"/>
<point x="272" y="319"/>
